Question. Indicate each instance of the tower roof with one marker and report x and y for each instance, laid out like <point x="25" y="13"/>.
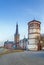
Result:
<point x="36" y="21"/>
<point x="16" y="29"/>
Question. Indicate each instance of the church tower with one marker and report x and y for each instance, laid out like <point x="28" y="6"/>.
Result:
<point x="16" y="37"/>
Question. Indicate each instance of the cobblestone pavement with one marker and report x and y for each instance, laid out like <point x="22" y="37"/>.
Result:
<point x="23" y="58"/>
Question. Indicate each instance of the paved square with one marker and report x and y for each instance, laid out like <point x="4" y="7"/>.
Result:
<point x="23" y="58"/>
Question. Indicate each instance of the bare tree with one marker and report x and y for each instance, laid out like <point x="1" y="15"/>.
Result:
<point x="39" y="42"/>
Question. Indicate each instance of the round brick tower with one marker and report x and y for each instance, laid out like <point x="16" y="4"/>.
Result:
<point x="33" y="33"/>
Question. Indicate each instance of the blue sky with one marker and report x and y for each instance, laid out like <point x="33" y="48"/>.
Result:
<point x="21" y="11"/>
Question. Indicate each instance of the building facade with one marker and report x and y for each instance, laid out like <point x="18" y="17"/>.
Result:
<point x="33" y="33"/>
<point x="8" y="44"/>
<point x="23" y="43"/>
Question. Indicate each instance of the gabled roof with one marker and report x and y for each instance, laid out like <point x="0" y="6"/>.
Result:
<point x="8" y="42"/>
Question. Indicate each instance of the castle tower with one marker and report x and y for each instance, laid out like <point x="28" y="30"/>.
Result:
<point x="16" y="37"/>
<point x="33" y="33"/>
